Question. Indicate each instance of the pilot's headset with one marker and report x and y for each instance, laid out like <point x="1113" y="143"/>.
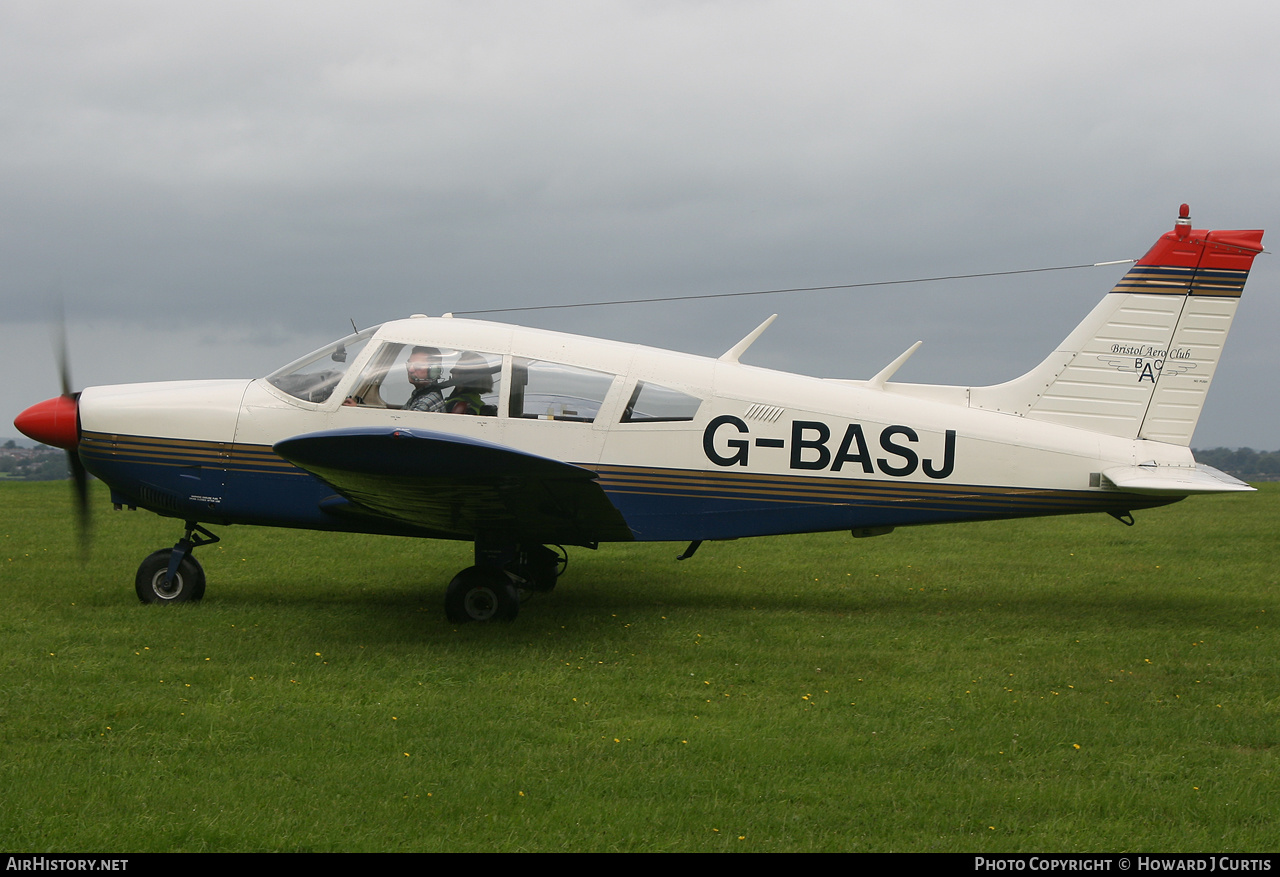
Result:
<point x="436" y="370"/>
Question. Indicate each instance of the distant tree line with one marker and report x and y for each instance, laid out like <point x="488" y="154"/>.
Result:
<point x="1244" y="463"/>
<point x="41" y="463"/>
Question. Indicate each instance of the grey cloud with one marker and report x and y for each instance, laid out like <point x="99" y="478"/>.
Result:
<point x="262" y="174"/>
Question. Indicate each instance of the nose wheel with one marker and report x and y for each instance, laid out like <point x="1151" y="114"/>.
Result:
<point x="154" y="584"/>
<point x="172" y="575"/>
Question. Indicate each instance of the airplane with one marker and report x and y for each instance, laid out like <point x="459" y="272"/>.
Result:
<point x="522" y="440"/>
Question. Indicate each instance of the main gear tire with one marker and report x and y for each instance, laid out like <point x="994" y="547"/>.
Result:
<point x="481" y="594"/>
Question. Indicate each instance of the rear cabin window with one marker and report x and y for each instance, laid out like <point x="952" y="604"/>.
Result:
<point x="654" y="403"/>
<point x="553" y="391"/>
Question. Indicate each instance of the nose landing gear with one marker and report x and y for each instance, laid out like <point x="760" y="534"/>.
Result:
<point x="172" y="575"/>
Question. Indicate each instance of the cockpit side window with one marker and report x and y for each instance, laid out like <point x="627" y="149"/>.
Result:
<point x="314" y="377"/>
<point x="554" y="391"/>
<point x="429" y="379"/>
<point x="368" y="390"/>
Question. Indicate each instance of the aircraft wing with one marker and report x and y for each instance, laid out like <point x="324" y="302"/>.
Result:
<point x="457" y="486"/>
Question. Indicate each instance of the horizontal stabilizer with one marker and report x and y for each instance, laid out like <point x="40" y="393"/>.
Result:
<point x="1169" y="479"/>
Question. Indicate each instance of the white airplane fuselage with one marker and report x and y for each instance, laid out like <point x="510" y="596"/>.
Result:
<point x="765" y="453"/>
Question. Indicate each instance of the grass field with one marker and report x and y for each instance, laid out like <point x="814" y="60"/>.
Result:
<point x="1064" y="684"/>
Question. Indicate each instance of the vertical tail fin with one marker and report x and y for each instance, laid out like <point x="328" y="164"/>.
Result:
<point x="1140" y="365"/>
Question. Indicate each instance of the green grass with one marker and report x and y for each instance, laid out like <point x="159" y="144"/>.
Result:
<point x="925" y="690"/>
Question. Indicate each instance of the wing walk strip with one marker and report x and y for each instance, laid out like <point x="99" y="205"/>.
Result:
<point x="1156" y="280"/>
<point x="838" y="491"/>
<point x="110" y="447"/>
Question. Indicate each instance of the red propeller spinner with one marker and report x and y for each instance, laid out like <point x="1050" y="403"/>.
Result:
<point x="54" y="422"/>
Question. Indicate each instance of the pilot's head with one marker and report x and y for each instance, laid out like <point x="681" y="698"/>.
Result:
<point x="424" y="367"/>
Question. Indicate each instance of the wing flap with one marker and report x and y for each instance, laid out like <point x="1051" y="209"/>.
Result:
<point x="458" y="486"/>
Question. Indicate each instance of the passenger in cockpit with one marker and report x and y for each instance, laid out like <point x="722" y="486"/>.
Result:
<point x="471" y="377"/>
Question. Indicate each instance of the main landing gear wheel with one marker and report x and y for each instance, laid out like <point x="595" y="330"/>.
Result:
<point x="481" y="594"/>
<point x="187" y="585"/>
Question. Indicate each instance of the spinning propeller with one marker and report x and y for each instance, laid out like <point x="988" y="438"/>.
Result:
<point x="56" y="422"/>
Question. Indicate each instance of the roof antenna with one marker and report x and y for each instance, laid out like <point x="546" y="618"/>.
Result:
<point x="732" y="354"/>
<point x="878" y="382"/>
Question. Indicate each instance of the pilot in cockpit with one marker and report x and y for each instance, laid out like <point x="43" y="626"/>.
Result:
<point x="425" y="370"/>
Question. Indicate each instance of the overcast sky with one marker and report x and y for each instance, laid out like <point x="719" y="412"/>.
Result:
<point x="217" y="188"/>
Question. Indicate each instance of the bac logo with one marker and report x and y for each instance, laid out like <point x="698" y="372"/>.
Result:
<point x="1149" y="362"/>
<point x="726" y="442"/>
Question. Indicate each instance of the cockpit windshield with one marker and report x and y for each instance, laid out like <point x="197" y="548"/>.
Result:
<point x="314" y="377"/>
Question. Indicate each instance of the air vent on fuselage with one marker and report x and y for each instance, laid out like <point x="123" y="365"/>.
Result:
<point x="156" y="498"/>
<point x="764" y="413"/>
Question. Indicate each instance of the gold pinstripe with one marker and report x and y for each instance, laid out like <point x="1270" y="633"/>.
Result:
<point x="826" y="491"/>
<point x="1172" y="280"/>
<point x="183" y="452"/>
